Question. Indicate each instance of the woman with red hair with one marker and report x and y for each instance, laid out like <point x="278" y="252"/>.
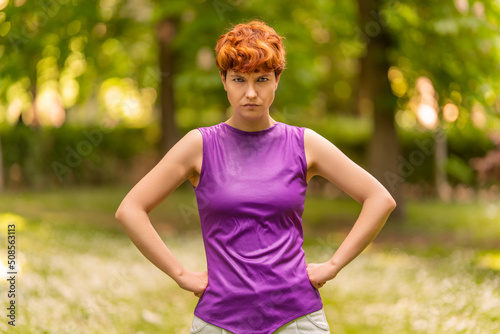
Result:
<point x="250" y="175"/>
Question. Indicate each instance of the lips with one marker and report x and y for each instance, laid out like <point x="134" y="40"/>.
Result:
<point x="251" y="105"/>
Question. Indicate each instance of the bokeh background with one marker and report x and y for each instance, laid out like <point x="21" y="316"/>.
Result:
<point x="94" y="93"/>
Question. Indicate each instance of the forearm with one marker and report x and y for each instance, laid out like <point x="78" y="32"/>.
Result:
<point x="372" y="218"/>
<point x="137" y="225"/>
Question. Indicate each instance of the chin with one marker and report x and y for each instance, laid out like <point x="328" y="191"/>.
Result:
<point x="252" y="114"/>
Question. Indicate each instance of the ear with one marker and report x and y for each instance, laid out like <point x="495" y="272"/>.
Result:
<point x="223" y="80"/>
<point x="277" y="82"/>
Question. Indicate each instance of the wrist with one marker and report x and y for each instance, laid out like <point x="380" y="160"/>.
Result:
<point x="334" y="267"/>
<point x="178" y="274"/>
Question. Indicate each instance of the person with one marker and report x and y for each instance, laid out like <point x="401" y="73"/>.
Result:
<point x="250" y="175"/>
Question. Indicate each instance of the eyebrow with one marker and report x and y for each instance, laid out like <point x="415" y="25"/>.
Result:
<point x="240" y="76"/>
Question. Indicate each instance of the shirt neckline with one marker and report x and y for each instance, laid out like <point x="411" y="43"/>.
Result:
<point x="250" y="132"/>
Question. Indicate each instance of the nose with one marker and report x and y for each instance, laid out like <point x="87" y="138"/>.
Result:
<point x="250" y="92"/>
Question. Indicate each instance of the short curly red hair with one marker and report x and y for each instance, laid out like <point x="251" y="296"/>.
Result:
<point x="250" y="47"/>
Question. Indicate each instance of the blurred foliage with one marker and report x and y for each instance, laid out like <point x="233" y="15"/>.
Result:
<point x="73" y="154"/>
<point x="94" y="63"/>
<point x="463" y="144"/>
<point x="80" y="43"/>
<point x="98" y="155"/>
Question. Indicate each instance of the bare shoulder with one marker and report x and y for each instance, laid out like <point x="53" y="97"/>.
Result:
<point x="312" y="142"/>
<point x="191" y="148"/>
<point x="192" y="140"/>
<point x="325" y="158"/>
<point x="193" y="145"/>
<point x="310" y="135"/>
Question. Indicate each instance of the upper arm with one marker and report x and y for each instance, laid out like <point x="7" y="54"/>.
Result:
<point x="173" y="169"/>
<point x="328" y="161"/>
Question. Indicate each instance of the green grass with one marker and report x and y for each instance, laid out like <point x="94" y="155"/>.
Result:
<point x="79" y="273"/>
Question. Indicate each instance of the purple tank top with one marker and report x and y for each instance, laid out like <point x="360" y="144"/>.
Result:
<point x="250" y="199"/>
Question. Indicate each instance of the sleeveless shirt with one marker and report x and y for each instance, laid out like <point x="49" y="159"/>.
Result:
<point x="250" y="198"/>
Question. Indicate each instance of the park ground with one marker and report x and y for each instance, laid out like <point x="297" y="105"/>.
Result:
<point x="78" y="272"/>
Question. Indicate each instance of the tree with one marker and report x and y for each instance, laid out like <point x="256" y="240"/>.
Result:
<point x="374" y="88"/>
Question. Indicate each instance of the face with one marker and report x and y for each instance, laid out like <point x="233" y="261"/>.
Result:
<point x="250" y="94"/>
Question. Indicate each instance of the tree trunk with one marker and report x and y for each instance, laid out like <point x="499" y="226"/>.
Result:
<point x="165" y="32"/>
<point x="441" y="156"/>
<point x="375" y="91"/>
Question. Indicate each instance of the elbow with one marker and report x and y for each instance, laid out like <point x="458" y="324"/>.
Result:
<point x="124" y="217"/>
<point x="128" y="212"/>
<point x="384" y="200"/>
<point x="121" y="213"/>
<point x="391" y="203"/>
<point x="118" y="215"/>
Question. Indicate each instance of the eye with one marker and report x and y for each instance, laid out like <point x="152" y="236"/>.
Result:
<point x="236" y="79"/>
<point x="264" y="79"/>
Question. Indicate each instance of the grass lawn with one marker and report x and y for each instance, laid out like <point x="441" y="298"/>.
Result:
<point x="79" y="272"/>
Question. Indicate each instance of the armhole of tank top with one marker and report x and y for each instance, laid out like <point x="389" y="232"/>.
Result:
<point x="303" y="152"/>
<point x="202" y="168"/>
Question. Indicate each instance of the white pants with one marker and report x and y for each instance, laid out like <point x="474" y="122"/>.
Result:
<point x="312" y="323"/>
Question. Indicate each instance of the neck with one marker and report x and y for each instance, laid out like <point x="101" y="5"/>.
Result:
<point x="251" y="125"/>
